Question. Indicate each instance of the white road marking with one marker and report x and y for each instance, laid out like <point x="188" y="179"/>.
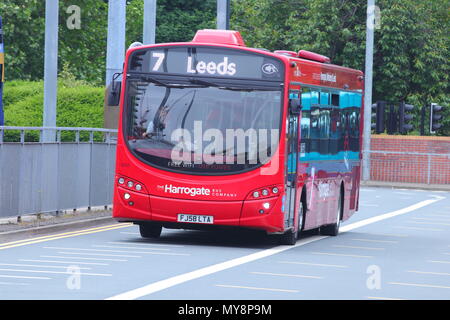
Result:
<point x="146" y="244"/>
<point x="398" y="235"/>
<point x="439" y="215"/>
<point x="373" y="240"/>
<point x="341" y="254"/>
<point x="416" y="228"/>
<point x="82" y="258"/>
<point x="430" y="223"/>
<point x="383" y="298"/>
<point x="314" y="264"/>
<point x="14" y="284"/>
<point x="175" y="280"/>
<point x="403" y="193"/>
<point x="356" y="247"/>
<point x="69" y="262"/>
<point x="132" y="248"/>
<point x="98" y="250"/>
<point x="390" y="214"/>
<point x="429" y="272"/>
<point x="286" y="275"/>
<point x="255" y="288"/>
<point x="419" y="285"/>
<point x="438" y="261"/>
<point x="38" y="266"/>
<point x="132" y="233"/>
<point x="24" y="277"/>
<point x="101" y="254"/>
<point x="432" y="219"/>
<point x="57" y="272"/>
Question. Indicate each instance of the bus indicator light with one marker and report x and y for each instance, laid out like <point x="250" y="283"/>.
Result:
<point x="121" y="180"/>
<point x="256" y="194"/>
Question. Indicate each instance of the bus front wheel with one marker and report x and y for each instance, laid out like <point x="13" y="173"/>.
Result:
<point x="150" y="230"/>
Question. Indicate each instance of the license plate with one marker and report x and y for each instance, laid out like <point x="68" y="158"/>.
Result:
<point x="194" y="218"/>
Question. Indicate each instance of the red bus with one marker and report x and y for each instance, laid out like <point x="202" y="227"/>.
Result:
<point x="214" y="134"/>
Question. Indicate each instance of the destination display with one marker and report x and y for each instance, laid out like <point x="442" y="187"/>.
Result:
<point x="206" y="61"/>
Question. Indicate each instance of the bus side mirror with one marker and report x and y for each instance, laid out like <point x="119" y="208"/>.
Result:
<point x="295" y="106"/>
<point x="114" y="93"/>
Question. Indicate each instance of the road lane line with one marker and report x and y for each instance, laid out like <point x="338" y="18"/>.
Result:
<point x="59" y="236"/>
<point x="357" y="247"/>
<point x="384" y="298"/>
<point x="419" y="285"/>
<point x="390" y="214"/>
<point x="341" y="254"/>
<point x="373" y="240"/>
<point x="38" y="266"/>
<point x="82" y="258"/>
<point x="54" y="235"/>
<point x="146" y="244"/>
<point x="101" y="254"/>
<point x="131" y="248"/>
<point x="417" y="228"/>
<point x="398" y="235"/>
<point x="57" y="272"/>
<point x="432" y="219"/>
<point x="430" y="223"/>
<point x="99" y="250"/>
<point x="438" y="215"/>
<point x="429" y="272"/>
<point x="438" y="261"/>
<point x="14" y="284"/>
<point x="24" y="277"/>
<point x="255" y="288"/>
<point x="286" y="275"/>
<point x="314" y="264"/>
<point x="178" y="279"/>
<point x="69" y="262"/>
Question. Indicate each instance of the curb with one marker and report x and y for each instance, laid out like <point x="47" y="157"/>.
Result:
<point x="45" y="230"/>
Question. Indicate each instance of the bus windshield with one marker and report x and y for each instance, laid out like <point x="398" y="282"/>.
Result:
<point x="202" y="127"/>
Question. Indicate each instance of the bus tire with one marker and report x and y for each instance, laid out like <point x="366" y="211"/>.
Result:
<point x="333" y="229"/>
<point x="288" y="238"/>
<point x="152" y="231"/>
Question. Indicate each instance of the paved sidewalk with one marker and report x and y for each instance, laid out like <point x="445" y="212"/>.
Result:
<point x="33" y="225"/>
<point x="404" y="185"/>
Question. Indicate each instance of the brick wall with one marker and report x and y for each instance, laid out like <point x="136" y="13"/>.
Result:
<point x="411" y="159"/>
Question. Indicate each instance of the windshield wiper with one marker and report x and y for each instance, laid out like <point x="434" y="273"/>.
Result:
<point x="148" y="78"/>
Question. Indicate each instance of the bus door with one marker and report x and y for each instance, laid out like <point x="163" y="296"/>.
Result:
<point x="292" y="157"/>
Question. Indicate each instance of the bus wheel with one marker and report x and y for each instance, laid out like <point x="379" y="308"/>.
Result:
<point x="333" y="229"/>
<point x="150" y="230"/>
<point x="288" y="238"/>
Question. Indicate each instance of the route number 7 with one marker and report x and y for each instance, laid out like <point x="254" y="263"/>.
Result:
<point x="160" y="58"/>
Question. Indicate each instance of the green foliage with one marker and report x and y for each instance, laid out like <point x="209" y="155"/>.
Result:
<point x="411" y="48"/>
<point x="410" y="58"/>
<point x="80" y="106"/>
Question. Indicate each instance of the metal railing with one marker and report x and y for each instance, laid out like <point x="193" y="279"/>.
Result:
<point x="410" y="167"/>
<point x="75" y="171"/>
